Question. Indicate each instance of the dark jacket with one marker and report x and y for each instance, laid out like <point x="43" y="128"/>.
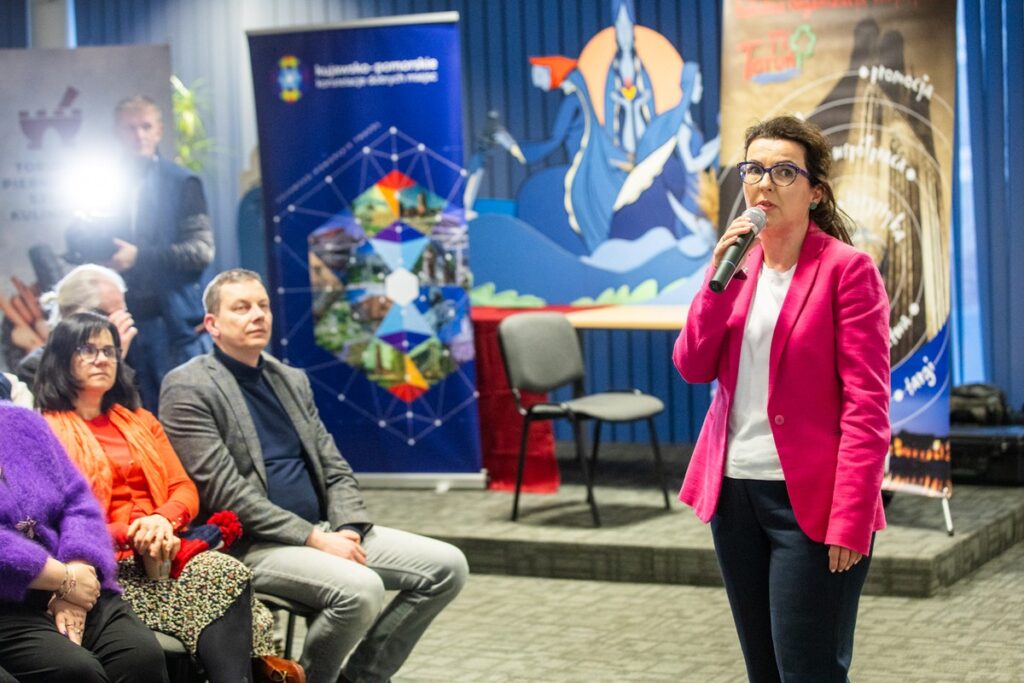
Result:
<point x="205" y="416"/>
<point x="175" y="240"/>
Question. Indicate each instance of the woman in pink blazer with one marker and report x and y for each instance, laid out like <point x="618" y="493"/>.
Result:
<point x="789" y="463"/>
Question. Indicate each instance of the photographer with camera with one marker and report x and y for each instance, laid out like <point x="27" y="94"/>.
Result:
<point x="165" y="244"/>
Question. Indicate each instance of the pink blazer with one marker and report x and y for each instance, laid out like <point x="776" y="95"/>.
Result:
<point x="828" y="388"/>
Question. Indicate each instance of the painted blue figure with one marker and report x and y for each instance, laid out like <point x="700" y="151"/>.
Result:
<point x="662" y="189"/>
<point x="494" y="135"/>
<point x="632" y="169"/>
<point x="628" y="89"/>
<point x="696" y="156"/>
<point x="548" y="73"/>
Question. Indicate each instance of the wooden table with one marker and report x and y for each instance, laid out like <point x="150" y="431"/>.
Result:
<point x="629" y="318"/>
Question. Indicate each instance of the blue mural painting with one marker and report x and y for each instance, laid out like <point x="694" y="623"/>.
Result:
<point x="627" y="219"/>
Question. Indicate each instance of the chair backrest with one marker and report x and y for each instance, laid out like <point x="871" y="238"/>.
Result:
<point x="540" y="350"/>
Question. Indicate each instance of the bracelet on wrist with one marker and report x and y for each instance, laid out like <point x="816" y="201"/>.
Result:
<point x="68" y="584"/>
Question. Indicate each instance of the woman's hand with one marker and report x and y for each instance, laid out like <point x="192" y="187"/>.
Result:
<point x="841" y="559"/>
<point x="741" y="225"/>
<point x="85" y="590"/>
<point x="153" y="535"/>
<point x="69" y="618"/>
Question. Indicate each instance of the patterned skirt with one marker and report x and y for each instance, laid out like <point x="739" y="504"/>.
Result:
<point x="183" y="607"/>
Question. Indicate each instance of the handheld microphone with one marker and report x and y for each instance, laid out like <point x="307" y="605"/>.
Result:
<point x="737" y="250"/>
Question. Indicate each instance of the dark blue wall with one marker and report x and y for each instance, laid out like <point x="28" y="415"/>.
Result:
<point x="13" y="23"/>
<point x="993" y="34"/>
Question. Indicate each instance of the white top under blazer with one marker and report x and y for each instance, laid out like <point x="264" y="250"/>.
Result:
<point x="751" y="449"/>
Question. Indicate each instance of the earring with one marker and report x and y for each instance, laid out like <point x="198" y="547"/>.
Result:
<point x="814" y="205"/>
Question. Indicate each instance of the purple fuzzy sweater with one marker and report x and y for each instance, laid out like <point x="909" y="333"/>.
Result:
<point x="38" y="482"/>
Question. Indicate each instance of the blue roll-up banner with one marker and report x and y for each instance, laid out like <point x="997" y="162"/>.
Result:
<point x="361" y="153"/>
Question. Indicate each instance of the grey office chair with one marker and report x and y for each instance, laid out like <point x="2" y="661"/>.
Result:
<point x="293" y="610"/>
<point x="541" y="352"/>
<point x="181" y="668"/>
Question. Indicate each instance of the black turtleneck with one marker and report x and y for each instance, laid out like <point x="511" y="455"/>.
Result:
<point x="289" y="479"/>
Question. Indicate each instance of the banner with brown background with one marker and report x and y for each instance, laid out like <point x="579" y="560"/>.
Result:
<point x="879" y="77"/>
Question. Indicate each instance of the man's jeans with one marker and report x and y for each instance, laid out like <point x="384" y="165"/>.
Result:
<point x="350" y="598"/>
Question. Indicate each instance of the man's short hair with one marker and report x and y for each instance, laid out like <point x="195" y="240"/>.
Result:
<point x="136" y="103"/>
<point x="211" y="297"/>
<point x="79" y="290"/>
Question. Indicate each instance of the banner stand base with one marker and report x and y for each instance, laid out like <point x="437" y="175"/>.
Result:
<point x="439" y="481"/>
<point x="946" y="514"/>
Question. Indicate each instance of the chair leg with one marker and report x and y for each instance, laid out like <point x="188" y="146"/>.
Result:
<point x="593" y="450"/>
<point x="289" y="635"/>
<point x="658" y="468"/>
<point x="577" y="431"/>
<point x="522" y="465"/>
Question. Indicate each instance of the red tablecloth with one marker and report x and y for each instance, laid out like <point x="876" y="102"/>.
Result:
<point x="501" y="426"/>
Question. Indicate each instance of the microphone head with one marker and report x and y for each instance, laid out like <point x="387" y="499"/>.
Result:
<point x="757" y="217"/>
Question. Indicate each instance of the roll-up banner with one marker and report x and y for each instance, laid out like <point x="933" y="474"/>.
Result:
<point x="59" y="160"/>
<point x="361" y="153"/>
<point x="878" y="76"/>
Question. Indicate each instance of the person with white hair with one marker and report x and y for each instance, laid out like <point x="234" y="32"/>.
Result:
<point x="88" y="287"/>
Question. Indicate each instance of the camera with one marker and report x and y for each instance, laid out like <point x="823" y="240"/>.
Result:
<point x="90" y="239"/>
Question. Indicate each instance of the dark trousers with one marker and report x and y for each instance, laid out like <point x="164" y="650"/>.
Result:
<point x="149" y="356"/>
<point x="795" y="619"/>
<point x="116" y="646"/>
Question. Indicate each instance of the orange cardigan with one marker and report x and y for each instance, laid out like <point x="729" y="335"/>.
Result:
<point x="169" y="485"/>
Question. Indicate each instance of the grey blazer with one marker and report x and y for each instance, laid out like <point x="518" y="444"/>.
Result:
<point x="208" y="422"/>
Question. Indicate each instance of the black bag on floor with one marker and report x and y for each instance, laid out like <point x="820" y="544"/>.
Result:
<point x="987" y="454"/>
<point x="979" y="404"/>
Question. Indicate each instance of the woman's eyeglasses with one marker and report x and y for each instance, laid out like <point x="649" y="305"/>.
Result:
<point x="782" y="174"/>
<point x="90" y="352"/>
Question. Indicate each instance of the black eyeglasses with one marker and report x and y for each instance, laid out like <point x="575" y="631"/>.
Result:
<point x="782" y="174"/>
<point x="90" y="352"/>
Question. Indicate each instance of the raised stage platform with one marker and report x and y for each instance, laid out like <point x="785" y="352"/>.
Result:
<point x="642" y="542"/>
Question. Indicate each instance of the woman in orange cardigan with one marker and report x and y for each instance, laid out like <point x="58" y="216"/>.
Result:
<point x="149" y="500"/>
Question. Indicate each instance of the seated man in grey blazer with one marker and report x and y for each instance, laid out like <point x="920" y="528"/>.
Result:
<point x="247" y="430"/>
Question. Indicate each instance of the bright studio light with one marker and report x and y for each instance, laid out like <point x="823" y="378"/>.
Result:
<point x="93" y="186"/>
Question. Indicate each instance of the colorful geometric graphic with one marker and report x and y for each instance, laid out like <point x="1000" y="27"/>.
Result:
<point x="387" y="273"/>
<point x="368" y="265"/>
